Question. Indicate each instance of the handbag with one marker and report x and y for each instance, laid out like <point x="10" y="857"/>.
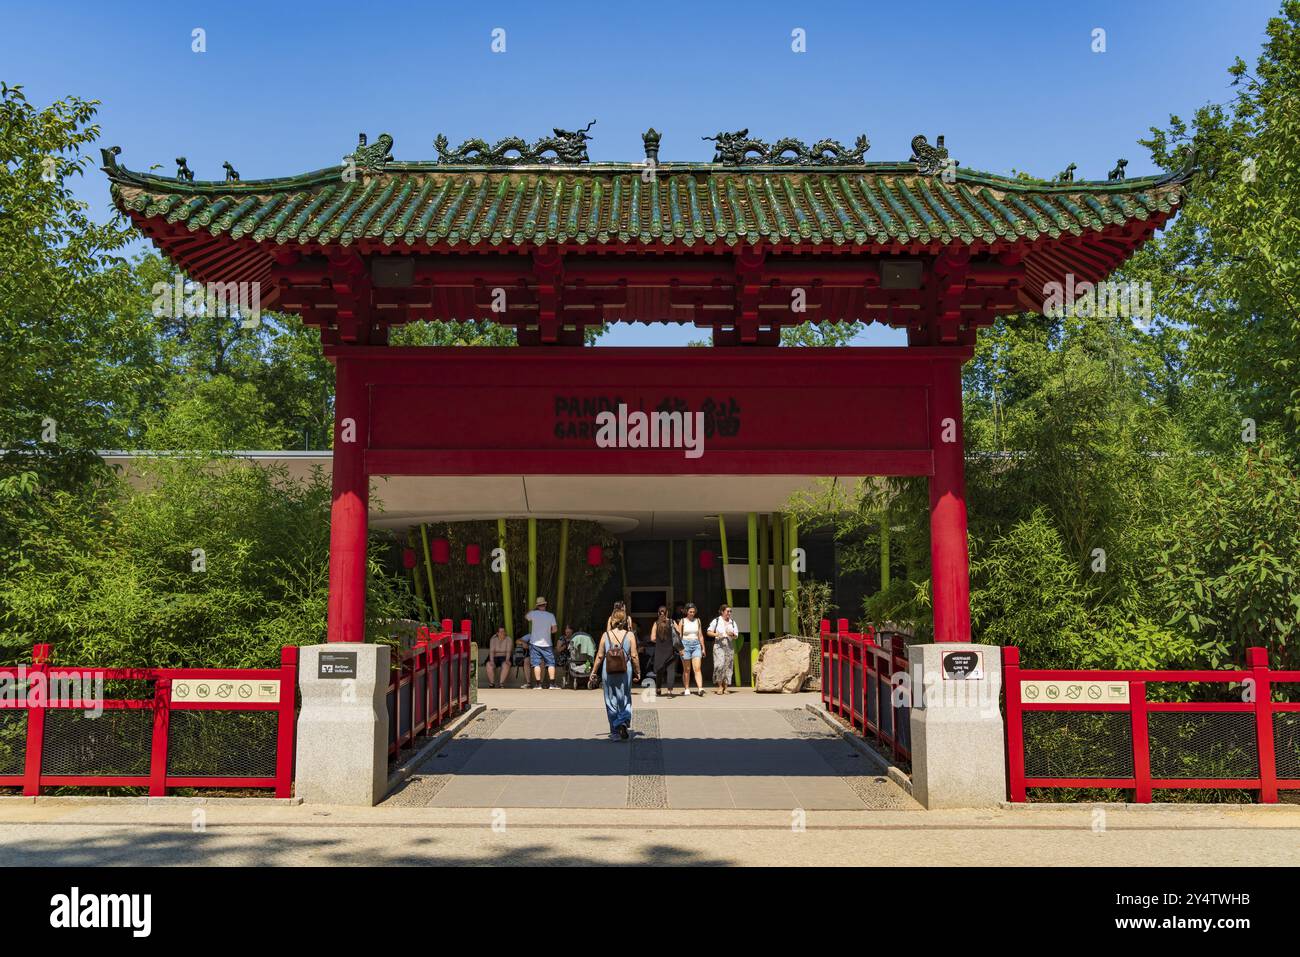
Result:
<point x="677" y="636"/>
<point x="615" y="656"/>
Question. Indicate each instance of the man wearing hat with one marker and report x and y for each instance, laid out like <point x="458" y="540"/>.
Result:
<point x="542" y="625"/>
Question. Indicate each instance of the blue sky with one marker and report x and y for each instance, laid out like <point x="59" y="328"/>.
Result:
<point x="285" y="88"/>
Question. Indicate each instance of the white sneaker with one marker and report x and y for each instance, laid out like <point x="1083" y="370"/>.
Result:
<point x="537" y="687"/>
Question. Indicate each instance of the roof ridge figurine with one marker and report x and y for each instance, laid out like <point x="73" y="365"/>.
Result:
<point x="1118" y="172"/>
<point x="183" y="170"/>
<point x="569" y="146"/>
<point x="232" y="174"/>
<point x="1067" y="175"/>
<point x="735" y="149"/>
<point x="373" y="157"/>
<point x="930" y="159"/>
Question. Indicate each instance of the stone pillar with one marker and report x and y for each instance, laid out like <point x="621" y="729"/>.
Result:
<point x="958" y="739"/>
<point x="343" y="725"/>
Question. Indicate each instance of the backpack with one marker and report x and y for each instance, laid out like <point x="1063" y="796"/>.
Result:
<point x="615" y="656"/>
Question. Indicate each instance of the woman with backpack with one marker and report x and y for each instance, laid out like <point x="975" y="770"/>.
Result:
<point x="666" y="639"/>
<point x="723" y="632"/>
<point x="618" y="666"/>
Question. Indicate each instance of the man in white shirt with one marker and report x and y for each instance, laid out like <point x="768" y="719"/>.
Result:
<point x="542" y="625"/>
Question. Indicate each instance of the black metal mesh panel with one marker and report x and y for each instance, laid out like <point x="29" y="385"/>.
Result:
<point x="403" y="711"/>
<point x="392" y="716"/>
<point x="887" y="711"/>
<point x="1206" y="745"/>
<point x="1286" y="744"/>
<point x="1078" y="744"/>
<point x="873" y="687"/>
<point x="217" y="744"/>
<point x="13" y="740"/>
<point x="419" y="695"/>
<point x="115" y="742"/>
<point x="843" y="687"/>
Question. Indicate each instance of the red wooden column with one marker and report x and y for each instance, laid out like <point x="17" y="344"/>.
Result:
<point x="347" y="602"/>
<point x="948" y="555"/>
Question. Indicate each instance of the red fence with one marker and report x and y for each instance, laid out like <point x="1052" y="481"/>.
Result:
<point x="858" y="685"/>
<point x="1105" y="729"/>
<point x="173" y="728"/>
<point x="429" y="685"/>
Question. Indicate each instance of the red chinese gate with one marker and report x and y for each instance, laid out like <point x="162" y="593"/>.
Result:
<point x="538" y="238"/>
<point x="806" y="412"/>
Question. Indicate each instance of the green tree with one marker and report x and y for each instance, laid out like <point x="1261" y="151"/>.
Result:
<point x="1228" y="269"/>
<point x="77" y="346"/>
<point x="1227" y="567"/>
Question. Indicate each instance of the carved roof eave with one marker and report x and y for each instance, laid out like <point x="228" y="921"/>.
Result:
<point x="126" y="177"/>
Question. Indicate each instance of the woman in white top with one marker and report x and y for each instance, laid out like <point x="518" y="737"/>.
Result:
<point x="723" y="632"/>
<point x="692" y="649"/>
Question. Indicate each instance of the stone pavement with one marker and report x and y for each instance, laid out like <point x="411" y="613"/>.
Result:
<point x="235" y="833"/>
<point x="550" y="749"/>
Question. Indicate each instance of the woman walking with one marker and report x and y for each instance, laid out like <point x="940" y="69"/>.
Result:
<point x="723" y="632"/>
<point x="617" y="664"/>
<point x="665" y="638"/>
<point x="692" y="649"/>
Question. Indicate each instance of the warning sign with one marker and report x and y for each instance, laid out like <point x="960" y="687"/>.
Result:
<point x="1074" y="692"/>
<point x="217" y="690"/>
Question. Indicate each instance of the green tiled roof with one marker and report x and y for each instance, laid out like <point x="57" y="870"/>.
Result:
<point x="684" y="204"/>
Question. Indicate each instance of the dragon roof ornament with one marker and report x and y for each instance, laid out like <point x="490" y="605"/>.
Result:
<point x="568" y="147"/>
<point x="739" y="149"/>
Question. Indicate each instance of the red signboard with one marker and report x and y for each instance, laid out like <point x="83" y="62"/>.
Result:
<point x="651" y="411"/>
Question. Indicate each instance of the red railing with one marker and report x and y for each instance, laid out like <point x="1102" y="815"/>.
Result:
<point x="1251" y="744"/>
<point x="429" y="684"/>
<point x="858" y="684"/>
<point x="159" y="742"/>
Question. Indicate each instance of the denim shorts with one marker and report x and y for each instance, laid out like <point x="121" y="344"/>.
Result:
<point x="691" y="649"/>
<point x="542" y="656"/>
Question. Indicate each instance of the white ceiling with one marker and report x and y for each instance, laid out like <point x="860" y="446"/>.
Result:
<point x="660" y="506"/>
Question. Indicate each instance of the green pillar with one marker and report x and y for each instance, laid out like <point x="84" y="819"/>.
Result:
<point x="507" y="613"/>
<point x="532" y="562"/>
<point x="428" y="570"/>
<point x="752" y="560"/>
<point x="792" y="543"/>
<point x="564" y="564"/>
<point x="722" y="534"/>
<point x="884" y="551"/>
<point x="417" y="578"/>
<point x="690" y="570"/>
<point x="671" y="581"/>
<point x="779" y="562"/>
<point x="764" y="579"/>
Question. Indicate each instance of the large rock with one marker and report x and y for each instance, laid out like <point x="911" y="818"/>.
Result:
<point x="782" y="666"/>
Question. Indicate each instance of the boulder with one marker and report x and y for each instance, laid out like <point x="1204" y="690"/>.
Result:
<point x="782" y="666"/>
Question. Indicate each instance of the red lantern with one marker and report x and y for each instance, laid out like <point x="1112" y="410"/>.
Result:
<point x="595" y="555"/>
<point x="408" y="558"/>
<point x="706" y="559"/>
<point x="473" y="555"/>
<point x="440" y="551"/>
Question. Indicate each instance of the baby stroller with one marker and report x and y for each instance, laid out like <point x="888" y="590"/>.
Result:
<point x="582" y="652"/>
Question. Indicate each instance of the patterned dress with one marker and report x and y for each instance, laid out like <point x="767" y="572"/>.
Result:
<point x="724" y="654"/>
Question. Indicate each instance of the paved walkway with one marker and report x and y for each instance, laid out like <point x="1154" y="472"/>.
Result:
<point x="246" y="835"/>
<point x="550" y="749"/>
